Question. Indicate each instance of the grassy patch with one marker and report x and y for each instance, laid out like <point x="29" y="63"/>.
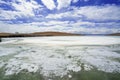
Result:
<point x="81" y="75"/>
<point x="23" y="75"/>
<point x="95" y="75"/>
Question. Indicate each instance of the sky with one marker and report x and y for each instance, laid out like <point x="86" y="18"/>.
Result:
<point x="74" y="16"/>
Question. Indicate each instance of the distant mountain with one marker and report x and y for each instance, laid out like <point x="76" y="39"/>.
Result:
<point x="37" y="34"/>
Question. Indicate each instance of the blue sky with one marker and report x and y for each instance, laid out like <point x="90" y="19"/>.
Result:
<point x="75" y="16"/>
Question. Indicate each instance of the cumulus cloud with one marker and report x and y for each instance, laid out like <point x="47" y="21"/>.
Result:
<point x="99" y="13"/>
<point x="8" y="15"/>
<point x="66" y="3"/>
<point x="49" y="4"/>
<point x="63" y="3"/>
<point x="23" y="9"/>
<point x="26" y="7"/>
<point x="64" y="26"/>
<point x="59" y="15"/>
<point x="87" y="19"/>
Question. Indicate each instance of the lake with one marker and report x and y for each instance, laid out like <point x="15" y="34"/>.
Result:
<point x="60" y="58"/>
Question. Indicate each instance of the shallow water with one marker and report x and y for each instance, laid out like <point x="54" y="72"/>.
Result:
<point x="61" y="56"/>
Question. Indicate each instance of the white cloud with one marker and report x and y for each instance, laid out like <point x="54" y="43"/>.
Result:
<point x="74" y="1"/>
<point x="26" y="7"/>
<point x="63" y="3"/>
<point x="22" y="28"/>
<point x="23" y="9"/>
<point x="2" y="2"/>
<point x="99" y="13"/>
<point x="67" y="14"/>
<point x="82" y="23"/>
<point x="64" y="26"/>
<point x="49" y="4"/>
<point x="9" y="14"/>
<point x="52" y="22"/>
<point x="59" y="15"/>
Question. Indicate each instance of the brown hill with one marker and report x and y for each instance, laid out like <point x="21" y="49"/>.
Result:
<point x="5" y="34"/>
<point x="37" y="34"/>
<point x="53" y="34"/>
<point x="114" y="34"/>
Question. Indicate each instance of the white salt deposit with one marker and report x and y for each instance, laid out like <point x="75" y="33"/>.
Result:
<point x="74" y="40"/>
<point x="60" y="60"/>
<point x="70" y="76"/>
<point x="7" y="50"/>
